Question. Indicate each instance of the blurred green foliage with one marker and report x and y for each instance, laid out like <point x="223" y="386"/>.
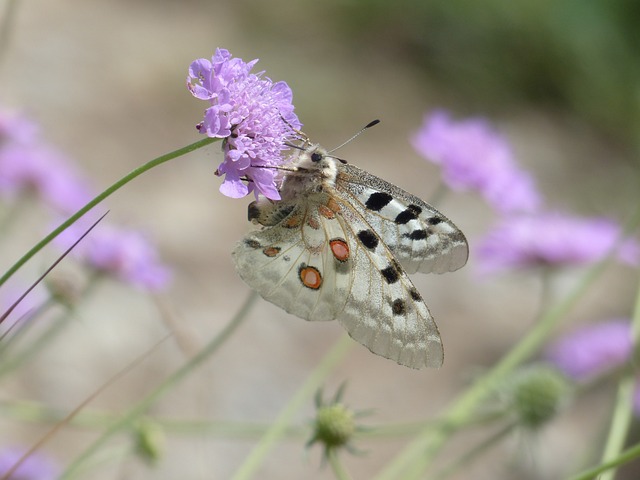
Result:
<point x="581" y="56"/>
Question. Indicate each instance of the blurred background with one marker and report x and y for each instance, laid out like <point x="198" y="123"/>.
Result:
<point x="106" y="81"/>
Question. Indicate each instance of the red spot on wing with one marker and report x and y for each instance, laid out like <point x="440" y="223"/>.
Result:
<point x="340" y="249"/>
<point x="271" y="251"/>
<point x="310" y="277"/>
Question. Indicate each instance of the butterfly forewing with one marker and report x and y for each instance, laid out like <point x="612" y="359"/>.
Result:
<point x="420" y="237"/>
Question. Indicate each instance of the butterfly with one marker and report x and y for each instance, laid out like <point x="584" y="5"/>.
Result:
<point x="339" y="245"/>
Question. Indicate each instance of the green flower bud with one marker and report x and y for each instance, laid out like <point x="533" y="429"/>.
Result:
<point x="537" y="394"/>
<point x="334" y="426"/>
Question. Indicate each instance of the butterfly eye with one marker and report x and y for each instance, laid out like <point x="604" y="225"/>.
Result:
<point x="316" y="157"/>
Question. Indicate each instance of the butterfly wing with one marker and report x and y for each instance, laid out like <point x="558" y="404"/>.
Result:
<point x="314" y="265"/>
<point x="291" y="263"/>
<point x="420" y="237"/>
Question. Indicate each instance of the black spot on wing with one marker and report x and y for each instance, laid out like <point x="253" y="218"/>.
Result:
<point x="415" y="295"/>
<point x="391" y="274"/>
<point x="377" y="201"/>
<point x="252" y="243"/>
<point x="411" y="213"/>
<point x="399" y="307"/>
<point x="434" y="220"/>
<point x="253" y="211"/>
<point x="416" y="235"/>
<point x="368" y="239"/>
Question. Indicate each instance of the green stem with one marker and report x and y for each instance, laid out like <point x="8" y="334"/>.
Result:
<point x="39" y="413"/>
<point x="116" y="186"/>
<point x="622" y="413"/>
<point x="626" y="456"/>
<point x="282" y="422"/>
<point x="336" y="465"/>
<point x="414" y="459"/>
<point x="141" y="407"/>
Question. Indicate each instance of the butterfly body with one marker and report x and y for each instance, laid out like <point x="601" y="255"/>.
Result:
<point x="339" y="244"/>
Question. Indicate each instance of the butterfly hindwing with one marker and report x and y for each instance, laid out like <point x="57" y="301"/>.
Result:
<point x="420" y="237"/>
<point x="293" y="265"/>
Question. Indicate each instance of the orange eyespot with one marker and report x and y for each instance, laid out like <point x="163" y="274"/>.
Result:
<point x="271" y="251"/>
<point x="340" y="249"/>
<point x="310" y="277"/>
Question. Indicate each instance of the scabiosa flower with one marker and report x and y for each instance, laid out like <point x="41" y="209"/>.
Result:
<point x="252" y="114"/>
<point x="473" y="156"/>
<point x="124" y="254"/>
<point x="35" y="467"/>
<point x="553" y="238"/>
<point x="592" y="350"/>
<point x="46" y="173"/>
<point x="26" y="164"/>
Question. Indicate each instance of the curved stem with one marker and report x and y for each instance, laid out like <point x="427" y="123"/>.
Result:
<point x="336" y="465"/>
<point x="116" y="186"/>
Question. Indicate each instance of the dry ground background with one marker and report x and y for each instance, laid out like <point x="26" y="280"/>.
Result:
<point x="106" y="81"/>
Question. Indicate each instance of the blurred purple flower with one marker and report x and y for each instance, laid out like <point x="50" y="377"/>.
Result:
<point x="44" y="172"/>
<point x="552" y="239"/>
<point x="28" y="165"/>
<point x="473" y="156"/>
<point x="35" y="467"/>
<point x="125" y="254"/>
<point x="254" y="115"/>
<point x="16" y="128"/>
<point x="592" y="350"/>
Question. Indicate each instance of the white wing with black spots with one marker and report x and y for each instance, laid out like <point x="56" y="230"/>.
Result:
<point x="420" y="237"/>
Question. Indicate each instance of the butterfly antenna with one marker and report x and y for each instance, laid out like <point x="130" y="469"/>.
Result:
<point x="368" y="125"/>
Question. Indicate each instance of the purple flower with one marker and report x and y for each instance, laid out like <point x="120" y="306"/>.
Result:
<point x="35" y="467"/>
<point x="125" y="254"/>
<point x="44" y="172"/>
<point x="592" y="350"/>
<point x="473" y="156"/>
<point x="26" y="165"/>
<point x="254" y="116"/>
<point x="542" y="239"/>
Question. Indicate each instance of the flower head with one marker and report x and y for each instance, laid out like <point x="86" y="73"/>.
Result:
<point x="592" y="350"/>
<point x="475" y="157"/>
<point x="552" y="239"/>
<point x="26" y="164"/>
<point x="125" y="254"/>
<point x="334" y="426"/>
<point x="535" y="394"/>
<point x="254" y="116"/>
<point x="34" y="467"/>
